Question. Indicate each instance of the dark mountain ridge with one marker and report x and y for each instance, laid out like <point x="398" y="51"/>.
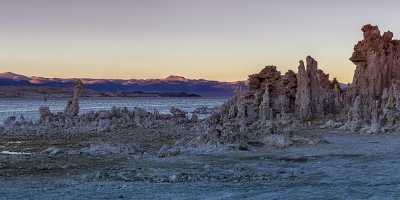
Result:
<point x="171" y="84"/>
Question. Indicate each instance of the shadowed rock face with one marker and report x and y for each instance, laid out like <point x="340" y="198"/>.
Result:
<point x="375" y="82"/>
<point x="377" y="63"/>
<point x="316" y="95"/>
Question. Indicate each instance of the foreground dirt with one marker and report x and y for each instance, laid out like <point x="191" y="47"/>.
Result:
<point x="346" y="167"/>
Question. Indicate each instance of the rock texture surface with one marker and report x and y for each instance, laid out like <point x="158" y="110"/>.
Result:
<point x="277" y="103"/>
<point x="373" y="97"/>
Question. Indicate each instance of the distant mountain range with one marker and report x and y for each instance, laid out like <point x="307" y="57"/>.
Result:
<point x="12" y="84"/>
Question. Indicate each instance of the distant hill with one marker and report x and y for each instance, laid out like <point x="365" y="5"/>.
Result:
<point x="169" y="85"/>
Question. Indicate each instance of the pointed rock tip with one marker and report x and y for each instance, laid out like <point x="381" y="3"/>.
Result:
<point x="371" y="32"/>
<point x="387" y="36"/>
<point x="301" y="66"/>
<point x="270" y="67"/>
<point x="311" y="61"/>
<point x="368" y="27"/>
<point x="309" y="58"/>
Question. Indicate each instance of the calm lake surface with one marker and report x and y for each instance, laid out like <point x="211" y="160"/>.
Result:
<point x="29" y="107"/>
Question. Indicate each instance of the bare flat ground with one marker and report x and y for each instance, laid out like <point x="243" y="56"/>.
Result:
<point x="349" y="166"/>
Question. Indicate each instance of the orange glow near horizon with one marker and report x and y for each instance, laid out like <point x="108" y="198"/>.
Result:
<point x="217" y="40"/>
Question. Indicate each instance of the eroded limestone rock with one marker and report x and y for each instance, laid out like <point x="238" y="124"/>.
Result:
<point x="374" y="89"/>
<point x="276" y="102"/>
<point x="72" y="108"/>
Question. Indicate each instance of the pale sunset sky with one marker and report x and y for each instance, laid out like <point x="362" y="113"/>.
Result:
<point x="211" y="39"/>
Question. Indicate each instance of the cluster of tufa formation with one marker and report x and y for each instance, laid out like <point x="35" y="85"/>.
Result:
<point x="278" y="103"/>
<point x="274" y="104"/>
<point x="116" y="119"/>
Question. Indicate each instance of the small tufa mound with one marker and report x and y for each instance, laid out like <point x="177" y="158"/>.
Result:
<point x="178" y="113"/>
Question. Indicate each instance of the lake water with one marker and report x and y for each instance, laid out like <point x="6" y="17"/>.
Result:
<point x="29" y="107"/>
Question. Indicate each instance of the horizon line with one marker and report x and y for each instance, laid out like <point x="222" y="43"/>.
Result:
<point x="123" y="79"/>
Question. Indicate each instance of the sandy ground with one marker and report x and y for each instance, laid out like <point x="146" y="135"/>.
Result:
<point x="349" y="166"/>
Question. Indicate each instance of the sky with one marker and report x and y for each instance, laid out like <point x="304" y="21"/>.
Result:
<point x="212" y="39"/>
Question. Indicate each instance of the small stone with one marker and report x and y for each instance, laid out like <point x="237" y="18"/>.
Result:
<point x="172" y="178"/>
<point x="279" y="141"/>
